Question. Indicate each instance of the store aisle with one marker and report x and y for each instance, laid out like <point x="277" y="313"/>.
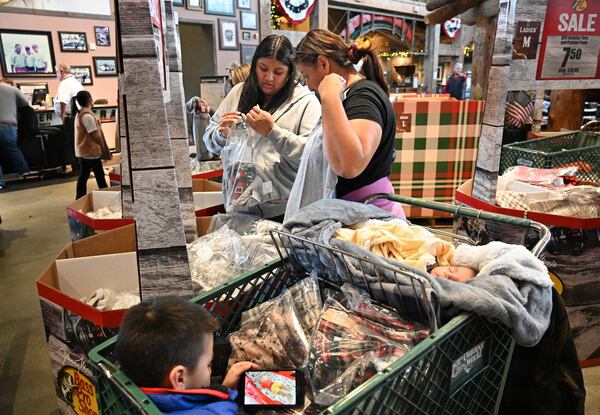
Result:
<point x="34" y="229"/>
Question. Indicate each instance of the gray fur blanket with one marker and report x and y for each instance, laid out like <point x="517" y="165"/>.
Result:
<point x="512" y="285"/>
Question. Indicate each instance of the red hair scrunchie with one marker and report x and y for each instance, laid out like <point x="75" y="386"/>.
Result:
<point x="353" y="54"/>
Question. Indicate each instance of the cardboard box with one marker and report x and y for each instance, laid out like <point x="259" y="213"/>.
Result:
<point x="81" y="225"/>
<point x="208" y="197"/>
<point x="114" y="175"/>
<point x="72" y="327"/>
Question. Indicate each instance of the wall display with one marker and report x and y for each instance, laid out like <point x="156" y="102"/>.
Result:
<point x="105" y="66"/>
<point x="439" y="74"/>
<point x="179" y="3"/>
<point x="249" y="20"/>
<point x="26" y="53"/>
<point x="296" y="11"/>
<point x="243" y="4"/>
<point x="102" y="35"/>
<point x="73" y="41"/>
<point x="247" y="53"/>
<point x="527" y="37"/>
<point x="220" y="7"/>
<point x="228" y="34"/>
<point x="570" y="41"/>
<point x="194" y="4"/>
<point x="83" y="74"/>
<point x="246" y="35"/>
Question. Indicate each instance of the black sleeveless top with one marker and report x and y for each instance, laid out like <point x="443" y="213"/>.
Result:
<point x="366" y="100"/>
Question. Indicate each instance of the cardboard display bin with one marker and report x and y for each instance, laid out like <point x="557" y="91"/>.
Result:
<point x="208" y="197"/>
<point x="73" y="328"/>
<point x="81" y="225"/>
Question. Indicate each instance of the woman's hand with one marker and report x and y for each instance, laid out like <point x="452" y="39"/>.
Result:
<point x="202" y="106"/>
<point x="332" y="85"/>
<point x="233" y="375"/>
<point x="227" y="121"/>
<point x="260" y="121"/>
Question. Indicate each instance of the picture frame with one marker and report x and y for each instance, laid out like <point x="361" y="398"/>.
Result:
<point x="102" y="34"/>
<point x="249" y="20"/>
<point x="440" y="73"/>
<point x="244" y="4"/>
<point x="73" y="42"/>
<point x="194" y="4"/>
<point x="219" y="7"/>
<point x="14" y="64"/>
<point x="105" y="66"/>
<point x="246" y="35"/>
<point x="179" y="3"/>
<point x="228" y="34"/>
<point x="83" y="74"/>
<point x="247" y="53"/>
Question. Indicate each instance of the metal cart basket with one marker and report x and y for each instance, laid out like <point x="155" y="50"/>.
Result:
<point x="459" y="369"/>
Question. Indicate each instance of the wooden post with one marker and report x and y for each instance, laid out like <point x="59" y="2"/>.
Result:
<point x="485" y="34"/>
<point x="566" y="109"/>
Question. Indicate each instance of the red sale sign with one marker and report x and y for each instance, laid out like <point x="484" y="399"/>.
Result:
<point x="570" y="41"/>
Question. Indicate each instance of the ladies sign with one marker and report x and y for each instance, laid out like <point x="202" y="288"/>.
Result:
<point x="570" y="41"/>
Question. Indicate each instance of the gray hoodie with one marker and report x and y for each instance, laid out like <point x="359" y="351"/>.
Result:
<point x="294" y="121"/>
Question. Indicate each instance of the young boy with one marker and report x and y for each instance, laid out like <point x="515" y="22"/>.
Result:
<point x="165" y="346"/>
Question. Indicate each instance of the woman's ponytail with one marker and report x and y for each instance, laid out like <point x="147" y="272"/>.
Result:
<point x="372" y="68"/>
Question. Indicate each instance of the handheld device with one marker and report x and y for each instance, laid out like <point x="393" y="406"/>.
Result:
<point x="262" y="389"/>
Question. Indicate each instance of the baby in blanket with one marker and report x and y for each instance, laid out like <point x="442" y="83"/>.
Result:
<point x="413" y="245"/>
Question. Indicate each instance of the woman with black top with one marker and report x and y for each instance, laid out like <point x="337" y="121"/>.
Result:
<point x="358" y="121"/>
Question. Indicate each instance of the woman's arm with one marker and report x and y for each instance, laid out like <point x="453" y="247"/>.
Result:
<point x="213" y="140"/>
<point x="349" y="144"/>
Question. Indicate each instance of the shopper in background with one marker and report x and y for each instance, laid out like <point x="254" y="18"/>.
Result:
<point x="69" y="87"/>
<point x="7" y="81"/>
<point x="90" y="145"/>
<point x="277" y="108"/>
<point x="166" y="347"/>
<point x="10" y="100"/>
<point x="455" y="84"/>
<point x="359" y="124"/>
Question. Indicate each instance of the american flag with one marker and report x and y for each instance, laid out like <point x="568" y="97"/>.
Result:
<point x="518" y="115"/>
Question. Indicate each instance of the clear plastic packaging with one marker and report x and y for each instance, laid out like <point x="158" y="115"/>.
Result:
<point x="247" y="174"/>
<point x="352" y="343"/>
<point x="217" y="257"/>
<point x="107" y="299"/>
<point x="243" y="224"/>
<point x="549" y="178"/>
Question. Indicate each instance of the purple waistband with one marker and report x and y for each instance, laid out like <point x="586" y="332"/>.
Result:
<point x="383" y="185"/>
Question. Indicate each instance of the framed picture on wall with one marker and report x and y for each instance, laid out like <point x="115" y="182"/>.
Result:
<point x="194" y="4"/>
<point x="73" y="41"/>
<point x="246" y="53"/>
<point x="105" y="66"/>
<point x="243" y="4"/>
<point x="249" y="20"/>
<point x="83" y="74"/>
<point x="440" y="73"/>
<point x="246" y="35"/>
<point x="178" y="3"/>
<point x="228" y="34"/>
<point x="219" y="7"/>
<point x="26" y="53"/>
<point x="102" y="35"/>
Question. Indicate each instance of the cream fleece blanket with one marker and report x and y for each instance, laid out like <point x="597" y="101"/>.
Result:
<point x="412" y="245"/>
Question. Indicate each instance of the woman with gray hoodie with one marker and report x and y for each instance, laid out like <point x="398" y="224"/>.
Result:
<point x="274" y="107"/>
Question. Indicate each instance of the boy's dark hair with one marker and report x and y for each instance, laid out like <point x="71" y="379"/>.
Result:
<point x="160" y="334"/>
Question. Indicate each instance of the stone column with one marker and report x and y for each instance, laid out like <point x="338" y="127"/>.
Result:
<point x="162" y="255"/>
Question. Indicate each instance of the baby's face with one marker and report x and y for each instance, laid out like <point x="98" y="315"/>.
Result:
<point x="454" y="273"/>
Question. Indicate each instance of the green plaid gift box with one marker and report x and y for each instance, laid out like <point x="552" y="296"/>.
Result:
<point x="437" y="151"/>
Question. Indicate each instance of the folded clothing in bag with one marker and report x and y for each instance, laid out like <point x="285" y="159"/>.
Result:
<point x="274" y="334"/>
<point x="352" y="342"/>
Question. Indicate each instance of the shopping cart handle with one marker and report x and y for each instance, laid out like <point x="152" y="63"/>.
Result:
<point x="470" y="212"/>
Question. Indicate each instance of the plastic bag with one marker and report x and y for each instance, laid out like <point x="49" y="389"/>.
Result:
<point x="243" y="224"/>
<point x="352" y="343"/>
<point x="107" y="212"/>
<point x="549" y="178"/>
<point x="247" y="173"/>
<point x="275" y="339"/>
<point x="217" y="257"/>
<point x="107" y="299"/>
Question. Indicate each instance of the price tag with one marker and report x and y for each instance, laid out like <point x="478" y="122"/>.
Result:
<point x="570" y="41"/>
